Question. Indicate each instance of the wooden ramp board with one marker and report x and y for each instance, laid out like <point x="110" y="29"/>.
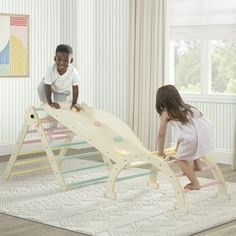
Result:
<point x="101" y="129"/>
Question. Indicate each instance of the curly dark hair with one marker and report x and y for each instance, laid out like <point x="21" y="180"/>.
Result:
<point x="64" y="48"/>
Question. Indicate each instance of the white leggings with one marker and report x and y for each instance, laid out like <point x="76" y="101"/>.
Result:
<point x="57" y="97"/>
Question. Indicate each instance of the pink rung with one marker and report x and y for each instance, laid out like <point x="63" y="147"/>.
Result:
<point x="171" y="162"/>
<point x="39" y="140"/>
<point x="61" y="132"/>
<point x="32" y="141"/>
<point x="213" y="182"/>
<point x="48" y="120"/>
<point x="208" y="184"/>
<point x="48" y="129"/>
<point x="62" y="137"/>
<point x="204" y="169"/>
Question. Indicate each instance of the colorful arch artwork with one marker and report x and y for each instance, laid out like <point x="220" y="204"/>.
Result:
<point x="14" y="45"/>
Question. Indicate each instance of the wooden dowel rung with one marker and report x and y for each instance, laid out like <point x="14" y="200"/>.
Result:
<point x="82" y="168"/>
<point x="208" y="184"/>
<point x="59" y="132"/>
<point x="55" y="147"/>
<point x="172" y="162"/>
<point x="61" y="137"/>
<point x="47" y="130"/>
<point x="27" y="162"/>
<point x="79" y="156"/>
<point x="38" y="109"/>
<point x="204" y="169"/>
<point x="31" y="152"/>
<point x="30" y="170"/>
<point x="39" y="140"/>
<point x="86" y="182"/>
<point x="48" y="120"/>
<point x="32" y="141"/>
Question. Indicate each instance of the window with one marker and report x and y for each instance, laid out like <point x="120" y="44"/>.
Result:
<point x="223" y="64"/>
<point x="187" y="65"/>
<point x="204" y="66"/>
<point x="203" y="47"/>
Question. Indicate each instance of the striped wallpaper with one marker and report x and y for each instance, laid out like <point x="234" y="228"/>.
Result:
<point x="102" y="58"/>
<point x="222" y="116"/>
<point x="98" y="33"/>
<point x="18" y="93"/>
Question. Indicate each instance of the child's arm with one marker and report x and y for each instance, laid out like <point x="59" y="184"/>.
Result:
<point x="48" y="91"/>
<point x="75" y="90"/>
<point x="162" y="133"/>
<point x="177" y="146"/>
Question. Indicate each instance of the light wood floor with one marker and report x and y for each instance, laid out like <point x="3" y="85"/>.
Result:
<point x="13" y="226"/>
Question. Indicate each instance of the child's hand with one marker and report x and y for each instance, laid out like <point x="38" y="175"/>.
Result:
<point x="55" y="105"/>
<point x="75" y="108"/>
<point x="160" y="154"/>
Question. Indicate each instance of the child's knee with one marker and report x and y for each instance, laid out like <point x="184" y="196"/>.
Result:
<point x="41" y="91"/>
<point x="41" y="86"/>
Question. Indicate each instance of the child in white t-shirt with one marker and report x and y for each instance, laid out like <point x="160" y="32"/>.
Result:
<point x="60" y="79"/>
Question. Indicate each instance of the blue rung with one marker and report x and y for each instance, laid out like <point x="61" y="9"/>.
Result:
<point x="133" y="176"/>
<point x="82" y="168"/>
<point x="87" y="182"/>
<point x="67" y="144"/>
<point x="39" y="109"/>
<point x="104" y="179"/>
<point x="79" y="156"/>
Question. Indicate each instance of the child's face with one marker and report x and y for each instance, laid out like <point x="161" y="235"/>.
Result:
<point x="62" y="60"/>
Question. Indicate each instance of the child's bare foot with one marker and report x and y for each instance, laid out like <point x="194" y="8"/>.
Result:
<point x="192" y="186"/>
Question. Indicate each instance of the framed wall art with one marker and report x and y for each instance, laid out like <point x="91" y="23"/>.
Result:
<point x="14" y="45"/>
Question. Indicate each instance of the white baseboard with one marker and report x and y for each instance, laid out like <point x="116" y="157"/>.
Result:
<point x="223" y="156"/>
<point x="6" y="149"/>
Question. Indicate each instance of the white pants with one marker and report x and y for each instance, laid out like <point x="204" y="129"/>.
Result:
<point x="57" y="97"/>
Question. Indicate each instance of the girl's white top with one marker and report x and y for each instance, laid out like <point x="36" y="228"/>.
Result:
<point x="195" y="137"/>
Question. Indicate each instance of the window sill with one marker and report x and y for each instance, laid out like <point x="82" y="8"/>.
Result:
<point x="210" y="98"/>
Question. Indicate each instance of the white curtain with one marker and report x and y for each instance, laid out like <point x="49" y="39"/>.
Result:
<point x="234" y="157"/>
<point x="147" y="63"/>
<point x="202" y="12"/>
<point x="202" y="19"/>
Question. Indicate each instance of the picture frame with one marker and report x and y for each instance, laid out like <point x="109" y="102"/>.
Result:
<point x="14" y="45"/>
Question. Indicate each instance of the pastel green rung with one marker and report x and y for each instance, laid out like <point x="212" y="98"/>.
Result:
<point x="79" y="156"/>
<point x="82" y="168"/>
<point x="118" y="139"/>
<point x="104" y="179"/>
<point x="67" y="145"/>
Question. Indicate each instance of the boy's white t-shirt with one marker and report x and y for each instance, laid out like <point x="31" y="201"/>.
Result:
<point x="62" y="83"/>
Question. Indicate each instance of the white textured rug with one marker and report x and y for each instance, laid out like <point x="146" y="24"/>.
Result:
<point x="138" y="210"/>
